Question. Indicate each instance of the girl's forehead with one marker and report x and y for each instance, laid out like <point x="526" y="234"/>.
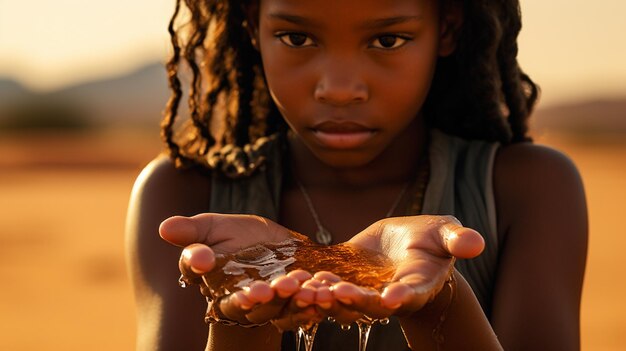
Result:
<point x="344" y="8"/>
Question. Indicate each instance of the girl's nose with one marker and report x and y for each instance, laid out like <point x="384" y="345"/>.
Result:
<point x="341" y="84"/>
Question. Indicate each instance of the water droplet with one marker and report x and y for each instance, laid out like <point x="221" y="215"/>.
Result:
<point x="384" y="321"/>
<point x="307" y="334"/>
<point x="364" y="332"/>
<point x="298" y="339"/>
<point x="182" y="282"/>
<point x="331" y="319"/>
<point x="345" y="327"/>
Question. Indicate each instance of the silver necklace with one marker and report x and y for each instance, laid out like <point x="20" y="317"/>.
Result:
<point x="323" y="236"/>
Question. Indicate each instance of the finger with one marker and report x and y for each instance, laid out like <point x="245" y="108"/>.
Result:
<point x="262" y="313"/>
<point x="285" y="286"/>
<point x="304" y="297"/>
<point x="196" y="259"/>
<point x="461" y="242"/>
<point x="300" y="275"/>
<point x="364" y="300"/>
<point x="293" y="319"/>
<point x="327" y="278"/>
<point x="241" y="301"/>
<point x="259" y="292"/>
<point x="403" y="296"/>
<point x="324" y="298"/>
<point x="295" y="315"/>
<point x="256" y="303"/>
<point x="346" y="293"/>
<point x="235" y="307"/>
<point x="347" y="314"/>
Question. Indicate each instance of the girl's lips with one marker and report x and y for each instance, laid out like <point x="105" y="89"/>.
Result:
<point x="342" y="135"/>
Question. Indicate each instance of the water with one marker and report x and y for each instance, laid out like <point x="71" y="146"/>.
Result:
<point x="271" y="260"/>
<point x="306" y="333"/>
<point x="365" y="326"/>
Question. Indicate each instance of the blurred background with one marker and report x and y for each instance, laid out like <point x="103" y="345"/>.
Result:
<point x="82" y="87"/>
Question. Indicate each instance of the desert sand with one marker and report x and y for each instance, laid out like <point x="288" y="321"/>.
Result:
<point x="62" y="265"/>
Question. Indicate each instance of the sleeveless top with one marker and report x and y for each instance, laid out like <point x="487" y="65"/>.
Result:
<point x="460" y="184"/>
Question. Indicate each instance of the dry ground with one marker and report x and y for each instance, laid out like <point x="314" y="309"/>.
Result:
<point x="61" y="242"/>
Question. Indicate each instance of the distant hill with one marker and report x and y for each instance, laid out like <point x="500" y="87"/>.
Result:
<point x="132" y="99"/>
<point x="11" y="90"/>
<point x="139" y="97"/>
<point x="590" y="117"/>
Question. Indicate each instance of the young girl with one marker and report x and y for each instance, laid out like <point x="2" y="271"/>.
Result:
<point x="362" y="122"/>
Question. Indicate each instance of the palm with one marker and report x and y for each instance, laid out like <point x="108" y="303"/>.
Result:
<point x="421" y="250"/>
<point x="206" y="236"/>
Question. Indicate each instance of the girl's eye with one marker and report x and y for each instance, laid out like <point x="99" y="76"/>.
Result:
<point x="389" y="42"/>
<point x="295" y="40"/>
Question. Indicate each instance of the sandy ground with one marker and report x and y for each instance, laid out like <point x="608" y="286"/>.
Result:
<point x="62" y="247"/>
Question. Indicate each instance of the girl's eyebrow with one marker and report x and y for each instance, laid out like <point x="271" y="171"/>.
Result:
<point x="369" y="24"/>
<point x="295" y="19"/>
<point x="389" y="21"/>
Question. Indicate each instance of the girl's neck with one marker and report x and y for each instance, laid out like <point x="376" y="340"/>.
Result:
<point x="398" y="163"/>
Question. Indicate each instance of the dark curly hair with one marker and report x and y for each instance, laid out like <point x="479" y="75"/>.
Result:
<point x="479" y="92"/>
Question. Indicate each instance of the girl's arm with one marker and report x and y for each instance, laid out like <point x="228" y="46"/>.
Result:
<point x="168" y="317"/>
<point x="542" y="218"/>
<point x="453" y="321"/>
<point x="536" y="303"/>
<point x="421" y="248"/>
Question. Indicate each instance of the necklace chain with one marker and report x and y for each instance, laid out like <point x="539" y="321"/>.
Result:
<point x="323" y="236"/>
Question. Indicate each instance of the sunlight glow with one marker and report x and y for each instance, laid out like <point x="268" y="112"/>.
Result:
<point x="572" y="48"/>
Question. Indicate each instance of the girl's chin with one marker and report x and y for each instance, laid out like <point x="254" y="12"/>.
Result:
<point x="344" y="159"/>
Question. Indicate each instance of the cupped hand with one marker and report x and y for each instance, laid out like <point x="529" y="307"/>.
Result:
<point x="422" y="249"/>
<point x="207" y="235"/>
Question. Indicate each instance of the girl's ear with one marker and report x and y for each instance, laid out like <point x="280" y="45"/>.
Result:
<point x="451" y="23"/>
<point x="251" y="10"/>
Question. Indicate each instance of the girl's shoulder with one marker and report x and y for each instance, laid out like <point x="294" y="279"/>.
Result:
<point x="537" y="184"/>
<point x="533" y="167"/>
<point x="171" y="189"/>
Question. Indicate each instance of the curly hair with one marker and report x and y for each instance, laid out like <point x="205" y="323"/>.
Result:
<point x="479" y="92"/>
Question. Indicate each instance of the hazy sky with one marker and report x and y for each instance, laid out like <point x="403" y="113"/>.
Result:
<point x="573" y="48"/>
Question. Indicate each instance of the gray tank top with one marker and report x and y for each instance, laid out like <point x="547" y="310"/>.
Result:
<point x="460" y="184"/>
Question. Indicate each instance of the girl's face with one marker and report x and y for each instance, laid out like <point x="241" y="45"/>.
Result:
<point x="350" y="76"/>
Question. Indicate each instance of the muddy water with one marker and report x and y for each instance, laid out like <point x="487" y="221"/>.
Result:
<point x="269" y="261"/>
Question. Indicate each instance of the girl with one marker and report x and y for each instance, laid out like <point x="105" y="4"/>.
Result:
<point x="327" y="117"/>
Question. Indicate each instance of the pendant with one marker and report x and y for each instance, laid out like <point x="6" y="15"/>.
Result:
<point x="323" y="236"/>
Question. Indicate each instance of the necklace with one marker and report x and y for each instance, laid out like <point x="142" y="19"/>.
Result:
<point x="323" y="236"/>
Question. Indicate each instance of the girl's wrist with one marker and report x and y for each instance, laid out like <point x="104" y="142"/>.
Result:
<point x="426" y="324"/>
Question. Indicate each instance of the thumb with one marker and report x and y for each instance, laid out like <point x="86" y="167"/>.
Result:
<point x="232" y="232"/>
<point x="182" y="231"/>
<point x="462" y="242"/>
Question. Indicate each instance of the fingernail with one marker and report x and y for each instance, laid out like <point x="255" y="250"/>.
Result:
<point x="196" y="270"/>
<point x="283" y="294"/>
<point x="325" y="305"/>
<point x="345" y="301"/>
<point x="394" y="306"/>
